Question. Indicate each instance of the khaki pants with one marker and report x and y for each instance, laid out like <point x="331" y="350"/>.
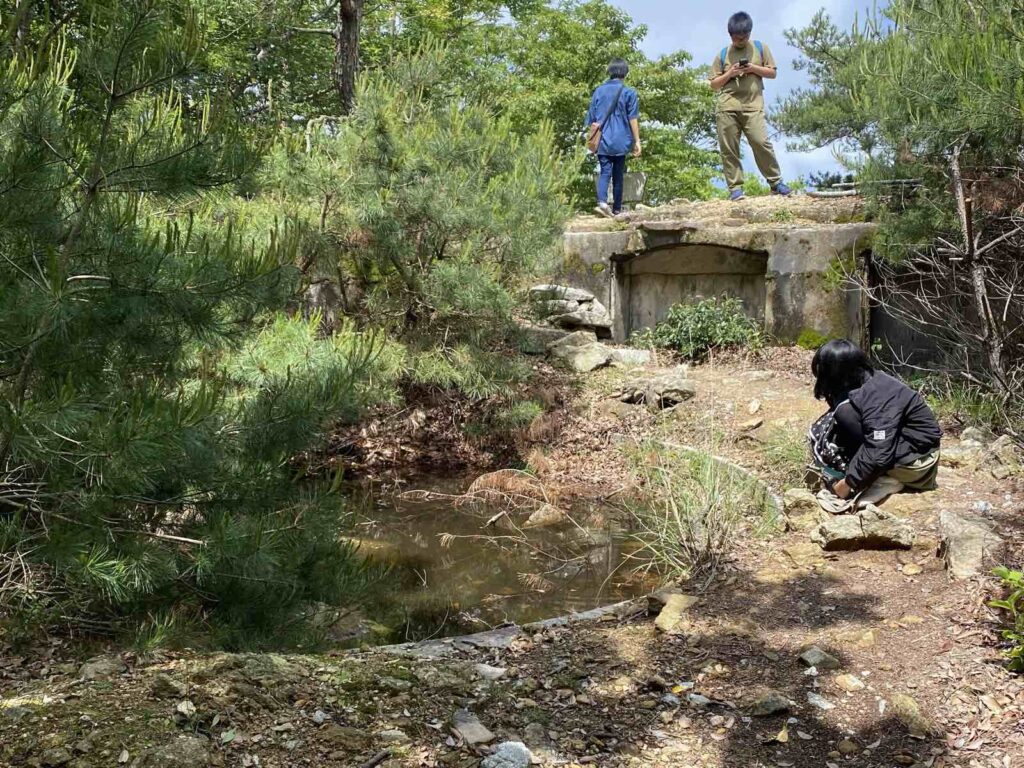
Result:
<point x="734" y="125"/>
<point x="919" y="476"/>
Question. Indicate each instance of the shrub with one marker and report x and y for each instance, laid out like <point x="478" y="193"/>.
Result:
<point x="810" y="339"/>
<point x="1013" y="604"/>
<point x="695" y="330"/>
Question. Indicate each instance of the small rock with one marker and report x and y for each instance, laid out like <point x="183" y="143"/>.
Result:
<point x="754" y="407"/>
<point x="698" y="700"/>
<point x="166" y="687"/>
<point x="487" y="672"/>
<point x="771" y="703"/>
<point x="393" y="736"/>
<point x="974" y="435"/>
<point x="545" y="516"/>
<point x="56" y="756"/>
<point x="631" y="358"/>
<point x="469" y="727"/>
<point x="907" y="711"/>
<point x="803" y="513"/>
<point x="672" y="614"/>
<point x="102" y="668"/>
<point x="912" y="569"/>
<point x="849" y="683"/>
<point x="352" y="739"/>
<point x="847" y="747"/>
<point x="815" y="657"/>
<point x="1001" y="472"/>
<point x="320" y="717"/>
<point x="751" y="424"/>
<point x="509" y="754"/>
<point x="819" y="701"/>
<point x="657" y="600"/>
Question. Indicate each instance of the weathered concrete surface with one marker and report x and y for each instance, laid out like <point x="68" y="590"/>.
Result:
<point x="785" y="258"/>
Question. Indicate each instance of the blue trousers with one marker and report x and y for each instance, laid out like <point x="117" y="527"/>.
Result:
<point x="613" y="168"/>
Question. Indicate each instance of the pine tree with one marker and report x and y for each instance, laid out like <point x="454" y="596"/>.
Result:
<point x="152" y="396"/>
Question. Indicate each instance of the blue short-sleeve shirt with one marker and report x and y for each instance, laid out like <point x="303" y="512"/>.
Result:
<point x="616" y="138"/>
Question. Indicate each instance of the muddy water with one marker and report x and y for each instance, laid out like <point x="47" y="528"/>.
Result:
<point x="450" y="574"/>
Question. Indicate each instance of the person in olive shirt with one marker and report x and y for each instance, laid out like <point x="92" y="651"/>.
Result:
<point x="737" y="74"/>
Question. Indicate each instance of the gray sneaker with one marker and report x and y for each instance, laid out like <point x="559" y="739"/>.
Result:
<point x="603" y="209"/>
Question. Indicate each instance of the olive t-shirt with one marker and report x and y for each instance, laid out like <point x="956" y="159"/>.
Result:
<point x="746" y="92"/>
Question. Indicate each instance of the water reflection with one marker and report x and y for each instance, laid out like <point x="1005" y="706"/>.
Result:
<point x="462" y="567"/>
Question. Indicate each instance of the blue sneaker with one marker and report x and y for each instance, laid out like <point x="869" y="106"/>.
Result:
<point x="781" y="189"/>
<point x="736" y="194"/>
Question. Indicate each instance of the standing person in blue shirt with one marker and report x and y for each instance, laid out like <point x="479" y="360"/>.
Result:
<point x="615" y="107"/>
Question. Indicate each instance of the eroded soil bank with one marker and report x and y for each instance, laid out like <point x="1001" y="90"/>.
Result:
<point x="917" y="678"/>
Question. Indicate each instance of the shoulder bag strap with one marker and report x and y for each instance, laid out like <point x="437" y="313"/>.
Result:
<point x="611" y="109"/>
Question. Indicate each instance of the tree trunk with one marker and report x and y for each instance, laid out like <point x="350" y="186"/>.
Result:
<point x="346" y="52"/>
<point x="991" y="337"/>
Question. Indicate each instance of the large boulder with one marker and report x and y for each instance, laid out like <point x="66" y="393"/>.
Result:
<point x="967" y="542"/>
<point x="592" y="315"/>
<point x="871" y="528"/>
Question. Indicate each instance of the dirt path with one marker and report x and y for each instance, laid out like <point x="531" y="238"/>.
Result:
<point x="919" y="679"/>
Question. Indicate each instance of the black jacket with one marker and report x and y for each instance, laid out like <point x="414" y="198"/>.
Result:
<point x="883" y="424"/>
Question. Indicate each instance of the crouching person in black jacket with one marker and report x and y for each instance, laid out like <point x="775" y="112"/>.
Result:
<point x="883" y="428"/>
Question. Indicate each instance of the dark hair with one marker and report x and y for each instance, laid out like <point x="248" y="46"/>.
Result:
<point x="838" y="367"/>
<point x="618" y="69"/>
<point x="740" y="23"/>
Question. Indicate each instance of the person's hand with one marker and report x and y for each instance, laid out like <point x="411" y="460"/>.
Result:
<point x="637" y="151"/>
<point x="735" y="71"/>
<point x="842" y="489"/>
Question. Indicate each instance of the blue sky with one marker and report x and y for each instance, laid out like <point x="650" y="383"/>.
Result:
<point x="700" y="28"/>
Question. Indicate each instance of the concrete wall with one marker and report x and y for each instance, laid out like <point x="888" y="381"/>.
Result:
<point x="683" y="274"/>
<point x="791" y="276"/>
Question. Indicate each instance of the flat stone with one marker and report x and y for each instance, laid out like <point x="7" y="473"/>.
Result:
<point x="675" y="609"/>
<point x="55" y="757"/>
<point x="818" y="701"/>
<point x="559" y="292"/>
<point x="751" y="424"/>
<point x="583" y="318"/>
<point x="509" y="754"/>
<point x="815" y="657"/>
<point x="967" y="543"/>
<point x="670" y="225"/>
<point x="802" y="511"/>
<point x="469" y="727"/>
<point x="871" y="528"/>
<point x="657" y="600"/>
<point x="393" y="736"/>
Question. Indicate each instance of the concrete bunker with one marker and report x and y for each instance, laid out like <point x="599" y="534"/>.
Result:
<point x="788" y="260"/>
<point x="649" y="283"/>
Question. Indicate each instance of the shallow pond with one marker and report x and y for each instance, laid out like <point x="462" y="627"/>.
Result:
<point x="452" y="573"/>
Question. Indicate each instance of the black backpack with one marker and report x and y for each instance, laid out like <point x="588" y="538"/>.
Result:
<point x="828" y="456"/>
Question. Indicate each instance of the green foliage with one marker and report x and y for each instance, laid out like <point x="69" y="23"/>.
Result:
<point x="786" y="457"/>
<point x="695" y="330"/>
<point x="1013" y="604"/>
<point x="810" y="339"/>
<point x="970" y="404"/>
<point x="152" y="395"/>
